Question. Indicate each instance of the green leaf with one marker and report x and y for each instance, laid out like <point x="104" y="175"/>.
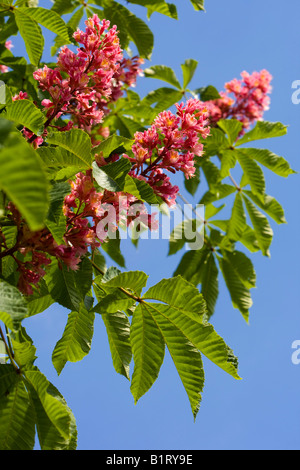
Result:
<point x="179" y="320"/>
<point x="135" y="281"/>
<point x="68" y="287"/>
<point x="221" y="191"/>
<point x="132" y="27"/>
<point x="76" y="340"/>
<point x="198" y="5"/>
<point x="249" y="240"/>
<point x="243" y="267"/>
<point x="263" y="130"/>
<point x="237" y="222"/>
<point x="56" y="220"/>
<point x="112" y="176"/>
<point x="209" y="283"/>
<point x="186" y="232"/>
<point x="186" y="357"/>
<point x="261" y="226"/>
<point x="164" y="73"/>
<point x="148" y="348"/>
<point x="49" y="19"/>
<point x="215" y="143"/>
<point x="13" y="307"/>
<point x="228" y="161"/>
<point x="112" y="144"/>
<point x="270" y="206"/>
<point x="72" y="24"/>
<point x="63" y="7"/>
<point x="50" y="437"/>
<point x="208" y="93"/>
<point x="240" y="295"/>
<point x="163" y="97"/>
<point x="232" y="128"/>
<point x="51" y="405"/>
<point x="253" y="173"/>
<point x="179" y="294"/>
<point x="29" y="193"/>
<point x="17" y="425"/>
<point x="24" y="350"/>
<point x="118" y="332"/>
<point x="75" y="141"/>
<point x="40" y="300"/>
<point x="188" y="70"/>
<point x="167" y="9"/>
<point x="141" y="190"/>
<point x="189" y="266"/>
<point x="31" y="34"/>
<point x="25" y="113"/>
<point x="270" y="160"/>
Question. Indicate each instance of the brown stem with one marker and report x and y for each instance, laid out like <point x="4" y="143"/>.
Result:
<point x="9" y="352"/>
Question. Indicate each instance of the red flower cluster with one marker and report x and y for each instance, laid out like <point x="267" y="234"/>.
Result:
<point x="171" y="144"/>
<point x="249" y="99"/>
<point x="88" y="73"/>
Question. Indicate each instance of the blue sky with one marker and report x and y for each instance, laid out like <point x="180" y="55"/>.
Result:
<point x="263" y="410"/>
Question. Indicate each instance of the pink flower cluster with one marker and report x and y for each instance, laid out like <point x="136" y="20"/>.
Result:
<point x="171" y="144"/>
<point x="126" y="75"/>
<point x="245" y="100"/>
<point x="82" y="80"/>
<point x="91" y="218"/>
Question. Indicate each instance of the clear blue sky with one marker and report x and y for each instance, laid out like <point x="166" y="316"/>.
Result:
<point x="263" y="410"/>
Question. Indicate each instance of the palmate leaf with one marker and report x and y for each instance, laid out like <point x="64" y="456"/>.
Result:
<point x="111" y="300"/>
<point x="178" y="323"/>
